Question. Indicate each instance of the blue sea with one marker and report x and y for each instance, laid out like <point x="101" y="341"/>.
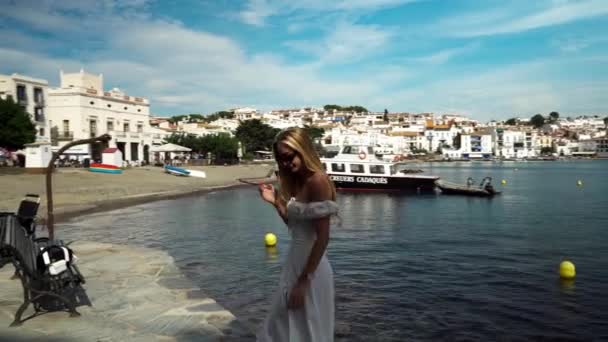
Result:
<point x="421" y="267"/>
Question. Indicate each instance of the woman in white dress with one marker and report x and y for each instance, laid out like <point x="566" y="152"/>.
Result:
<point x="303" y="306"/>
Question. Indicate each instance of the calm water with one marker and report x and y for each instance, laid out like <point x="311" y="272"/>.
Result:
<point x="416" y="267"/>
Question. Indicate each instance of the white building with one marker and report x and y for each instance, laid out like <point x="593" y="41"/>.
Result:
<point x="31" y="94"/>
<point x="601" y="147"/>
<point x="246" y="113"/>
<point x="515" y="144"/>
<point x="476" y="145"/>
<point x="80" y="109"/>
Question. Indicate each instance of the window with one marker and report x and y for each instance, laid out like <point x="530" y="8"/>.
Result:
<point x="91" y="103"/>
<point x="125" y="127"/>
<point x="376" y="169"/>
<point x="93" y="126"/>
<point x="38" y="114"/>
<point x="110" y="126"/>
<point x="109" y="105"/>
<point x="125" y="108"/>
<point x="140" y="128"/>
<point x="324" y="167"/>
<point x="41" y="133"/>
<point x="337" y="167"/>
<point x="66" y="126"/>
<point x="357" y="168"/>
<point x="21" y="95"/>
<point x="38" y="96"/>
<point x="139" y="110"/>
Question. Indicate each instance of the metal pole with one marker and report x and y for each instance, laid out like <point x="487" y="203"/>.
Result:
<point x="50" y="220"/>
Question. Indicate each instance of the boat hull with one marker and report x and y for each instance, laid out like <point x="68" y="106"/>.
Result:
<point x="105" y="168"/>
<point x="449" y="189"/>
<point x="178" y="171"/>
<point x="350" y="182"/>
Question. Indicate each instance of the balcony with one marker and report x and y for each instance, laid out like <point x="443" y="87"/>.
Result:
<point x="134" y="135"/>
<point x="22" y="101"/>
<point x="39" y="103"/>
<point x="62" y="136"/>
<point x="39" y="117"/>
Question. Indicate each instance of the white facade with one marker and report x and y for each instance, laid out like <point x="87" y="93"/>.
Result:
<point x="246" y="113"/>
<point x="476" y="145"/>
<point x="515" y="144"/>
<point x="31" y="94"/>
<point x="601" y="147"/>
<point x="80" y="109"/>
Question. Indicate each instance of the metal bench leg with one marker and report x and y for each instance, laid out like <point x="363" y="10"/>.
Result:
<point x="17" y="322"/>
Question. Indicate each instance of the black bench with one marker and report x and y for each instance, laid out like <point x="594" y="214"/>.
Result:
<point x="45" y="291"/>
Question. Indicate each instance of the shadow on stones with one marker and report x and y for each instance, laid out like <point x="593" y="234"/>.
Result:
<point x="47" y="304"/>
<point x="17" y="338"/>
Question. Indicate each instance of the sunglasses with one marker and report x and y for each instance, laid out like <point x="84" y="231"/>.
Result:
<point x="286" y="157"/>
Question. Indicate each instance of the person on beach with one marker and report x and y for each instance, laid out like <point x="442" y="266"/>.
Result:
<point x="303" y="307"/>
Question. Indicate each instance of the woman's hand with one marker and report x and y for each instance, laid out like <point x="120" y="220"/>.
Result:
<point x="267" y="193"/>
<point x="297" y="295"/>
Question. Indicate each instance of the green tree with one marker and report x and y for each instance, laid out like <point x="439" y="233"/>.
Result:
<point x="511" y="121"/>
<point x="356" y="109"/>
<point x="16" y="127"/>
<point x="314" y="132"/>
<point x="256" y="135"/>
<point x="537" y="121"/>
<point x="553" y="116"/>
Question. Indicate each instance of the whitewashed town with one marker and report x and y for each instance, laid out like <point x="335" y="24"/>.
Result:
<point x="81" y="107"/>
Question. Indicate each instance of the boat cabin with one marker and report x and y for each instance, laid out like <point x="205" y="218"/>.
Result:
<point x="358" y="160"/>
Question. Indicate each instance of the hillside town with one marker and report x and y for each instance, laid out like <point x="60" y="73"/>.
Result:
<point x="80" y="107"/>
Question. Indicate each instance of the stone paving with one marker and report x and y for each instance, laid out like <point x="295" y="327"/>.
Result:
<point x="135" y="294"/>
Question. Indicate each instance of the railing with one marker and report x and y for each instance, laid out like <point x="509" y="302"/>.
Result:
<point x="62" y="136"/>
<point x="39" y="117"/>
<point x="134" y="135"/>
<point x="39" y="102"/>
<point x="22" y="101"/>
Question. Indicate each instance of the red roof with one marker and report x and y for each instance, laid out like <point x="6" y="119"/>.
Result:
<point x="109" y="150"/>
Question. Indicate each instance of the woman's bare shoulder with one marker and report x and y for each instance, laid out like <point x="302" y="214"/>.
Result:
<point x="318" y="188"/>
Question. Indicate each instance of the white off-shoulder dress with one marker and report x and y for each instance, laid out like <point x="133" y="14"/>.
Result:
<point x="315" y="320"/>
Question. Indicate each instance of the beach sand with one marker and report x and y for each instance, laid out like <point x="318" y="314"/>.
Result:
<point x="77" y="191"/>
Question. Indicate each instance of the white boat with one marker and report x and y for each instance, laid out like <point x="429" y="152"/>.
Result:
<point x="357" y="168"/>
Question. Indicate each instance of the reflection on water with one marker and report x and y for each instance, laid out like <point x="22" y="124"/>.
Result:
<point x="413" y="267"/>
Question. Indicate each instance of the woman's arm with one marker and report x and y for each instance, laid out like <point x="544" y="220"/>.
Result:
<point x="281" y="207"/>
<point x="270" y="195"/>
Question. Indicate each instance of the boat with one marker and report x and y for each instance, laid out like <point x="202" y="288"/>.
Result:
<point x="357" y="168"/>
<point x="196" y="173"/>
<point x="104" y="168"/>
<point x="177" y="171"/>
<point x="485" y="188"/>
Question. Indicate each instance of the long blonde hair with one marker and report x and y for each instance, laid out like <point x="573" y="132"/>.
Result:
<point x="298" y="140"/>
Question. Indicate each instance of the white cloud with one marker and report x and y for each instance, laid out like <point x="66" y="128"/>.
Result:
<point x="515" y="19"/>
<point x="256" y="11"/>
<point x="573" y="44"/>
<point x="445" y="55"/>
<point x="346" y="43"/>
<point x="520" y="89"/>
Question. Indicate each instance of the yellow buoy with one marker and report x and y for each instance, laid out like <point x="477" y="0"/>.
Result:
<point x="567" y="270"/>
<point x="270" y="239"/>
<point x="579" y="182"/>
<point x="504" y="182"/>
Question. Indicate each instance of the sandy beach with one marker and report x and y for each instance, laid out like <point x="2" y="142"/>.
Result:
<point x="77" y="191"/>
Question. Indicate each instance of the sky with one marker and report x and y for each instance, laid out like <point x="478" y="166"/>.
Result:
<point x="486" y="59"/>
